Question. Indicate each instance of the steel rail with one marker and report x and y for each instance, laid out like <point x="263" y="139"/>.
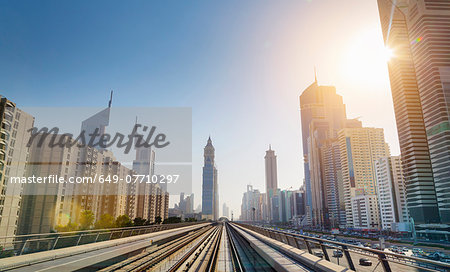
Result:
<point x="212" y="262"/>
<point x="259" y="263"/>
<point x="186" y="256"/>
<point x="147" y="259"/>
<point x="237" y="265"/>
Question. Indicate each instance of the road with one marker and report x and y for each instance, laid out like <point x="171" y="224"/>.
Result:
<point x="387" y="244"/>
<point x="375" y="262"/>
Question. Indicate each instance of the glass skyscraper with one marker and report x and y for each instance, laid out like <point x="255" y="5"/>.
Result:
<point x="417" y="32"/>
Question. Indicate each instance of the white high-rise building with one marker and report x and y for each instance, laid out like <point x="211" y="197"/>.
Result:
<point x="14" y="137"/>
<point x="365" y="212"/>
<point x="144" y="165"/>
<point x="47" y="205"/>
<point x="391" y="191"/>
<point x="225" y="211"/>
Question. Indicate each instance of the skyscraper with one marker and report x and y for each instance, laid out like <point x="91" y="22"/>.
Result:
<point x="333" y="182"/>
<point x="113" y="197"/>
<point x="14" y="138"/>
<point x="410" y="110"/>
<point x="429" y="27"/>
<point x="391" y="192"/>
<point x="97" y="123"/>
<point x="144" y="165"/>
<point x="285" y="208"/>
<point x="46" y="205"/>
<point x="322" y="115"/>
<point x="359" y="149"/>
<point x="210" y="199"/>
<point x="252" y="205"/>
<point x="271" y="177"/>
<point x="225" y="210"/>
<point x="88" y="194"/>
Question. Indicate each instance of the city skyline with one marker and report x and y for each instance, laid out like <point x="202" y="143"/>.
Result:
<point x="272" y="93"/>
<point x="303" y="135"/>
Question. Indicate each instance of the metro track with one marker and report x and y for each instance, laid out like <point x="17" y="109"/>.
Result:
<point x="198" y="251"/>
<point x="245" y="258"/>
<point x="157" y="254"/>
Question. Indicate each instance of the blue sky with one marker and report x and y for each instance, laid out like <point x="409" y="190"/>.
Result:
<point x="240" y="65"/>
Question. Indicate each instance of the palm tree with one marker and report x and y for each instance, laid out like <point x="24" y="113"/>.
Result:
<point x="86" y="220"/>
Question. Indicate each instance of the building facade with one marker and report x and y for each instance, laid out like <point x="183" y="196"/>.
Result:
<point x="334" y="184"/>
<point x="210" y="194"/>
<point x="366" y="215"/>
<point x="47" y="205"/>
<point x="359" y="149"/>
<point x="410" y="109"/>
<point x="144" y="165"/>
<point x="322" y="116"/>
<point x="252" y="206"/>
<point x="428" y="24"/>
<point x="14" y="153"/>
<point x="391" y="192"/>
<point x="270" y="160"/>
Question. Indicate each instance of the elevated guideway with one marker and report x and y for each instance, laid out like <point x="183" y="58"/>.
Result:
<point x="214" y="246"/>
<point x="94" y="255"/>
<point x="315" y="252"/>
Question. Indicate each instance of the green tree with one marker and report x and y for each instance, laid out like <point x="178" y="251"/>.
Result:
<point x="69" y="227"/>
<point x="86" y="220"/>
<point x="172" y="220"/>
<point x="106" y="221"/>
<point x="5" y="253"/>
<point x="123" y="221"/>
<point x="138" y="221"/>
<point x="158" y="220"/>
<point x="190" y="219"/>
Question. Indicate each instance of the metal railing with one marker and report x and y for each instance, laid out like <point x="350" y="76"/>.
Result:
<point x="31" y="243"/>
<point x="385" y="258"/>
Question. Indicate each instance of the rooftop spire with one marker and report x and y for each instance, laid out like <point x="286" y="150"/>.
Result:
<point x="315" y="74"/>
<point x="270" y="147"/>
<point x="110" y="100"/>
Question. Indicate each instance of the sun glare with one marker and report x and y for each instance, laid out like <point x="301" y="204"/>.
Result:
<point x="388" y="54"/>
<point x="367" y="57"/>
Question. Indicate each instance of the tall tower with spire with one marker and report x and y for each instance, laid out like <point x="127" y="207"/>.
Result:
<point x="271" y="170"/>
<point x="97" y="123"/>
<point x="210" y="190"/>
<point x="271" y="180"/>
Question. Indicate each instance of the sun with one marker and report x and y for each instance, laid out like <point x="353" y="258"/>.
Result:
<point x="388" y="54"/>
<point x="366" y="57"/>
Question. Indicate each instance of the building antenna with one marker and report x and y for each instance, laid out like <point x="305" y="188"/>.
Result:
<point x="315" y="74"/>
<point x="110" y="99"/>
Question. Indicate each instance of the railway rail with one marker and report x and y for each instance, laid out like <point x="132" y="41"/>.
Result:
<point x="158" y="253"/>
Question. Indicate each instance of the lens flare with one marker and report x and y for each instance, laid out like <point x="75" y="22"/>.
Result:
<point x="388" y="54"/>
<point x="417" y="40"/>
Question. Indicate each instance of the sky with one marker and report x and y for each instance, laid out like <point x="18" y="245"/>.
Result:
<point x="240" y="65"/>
